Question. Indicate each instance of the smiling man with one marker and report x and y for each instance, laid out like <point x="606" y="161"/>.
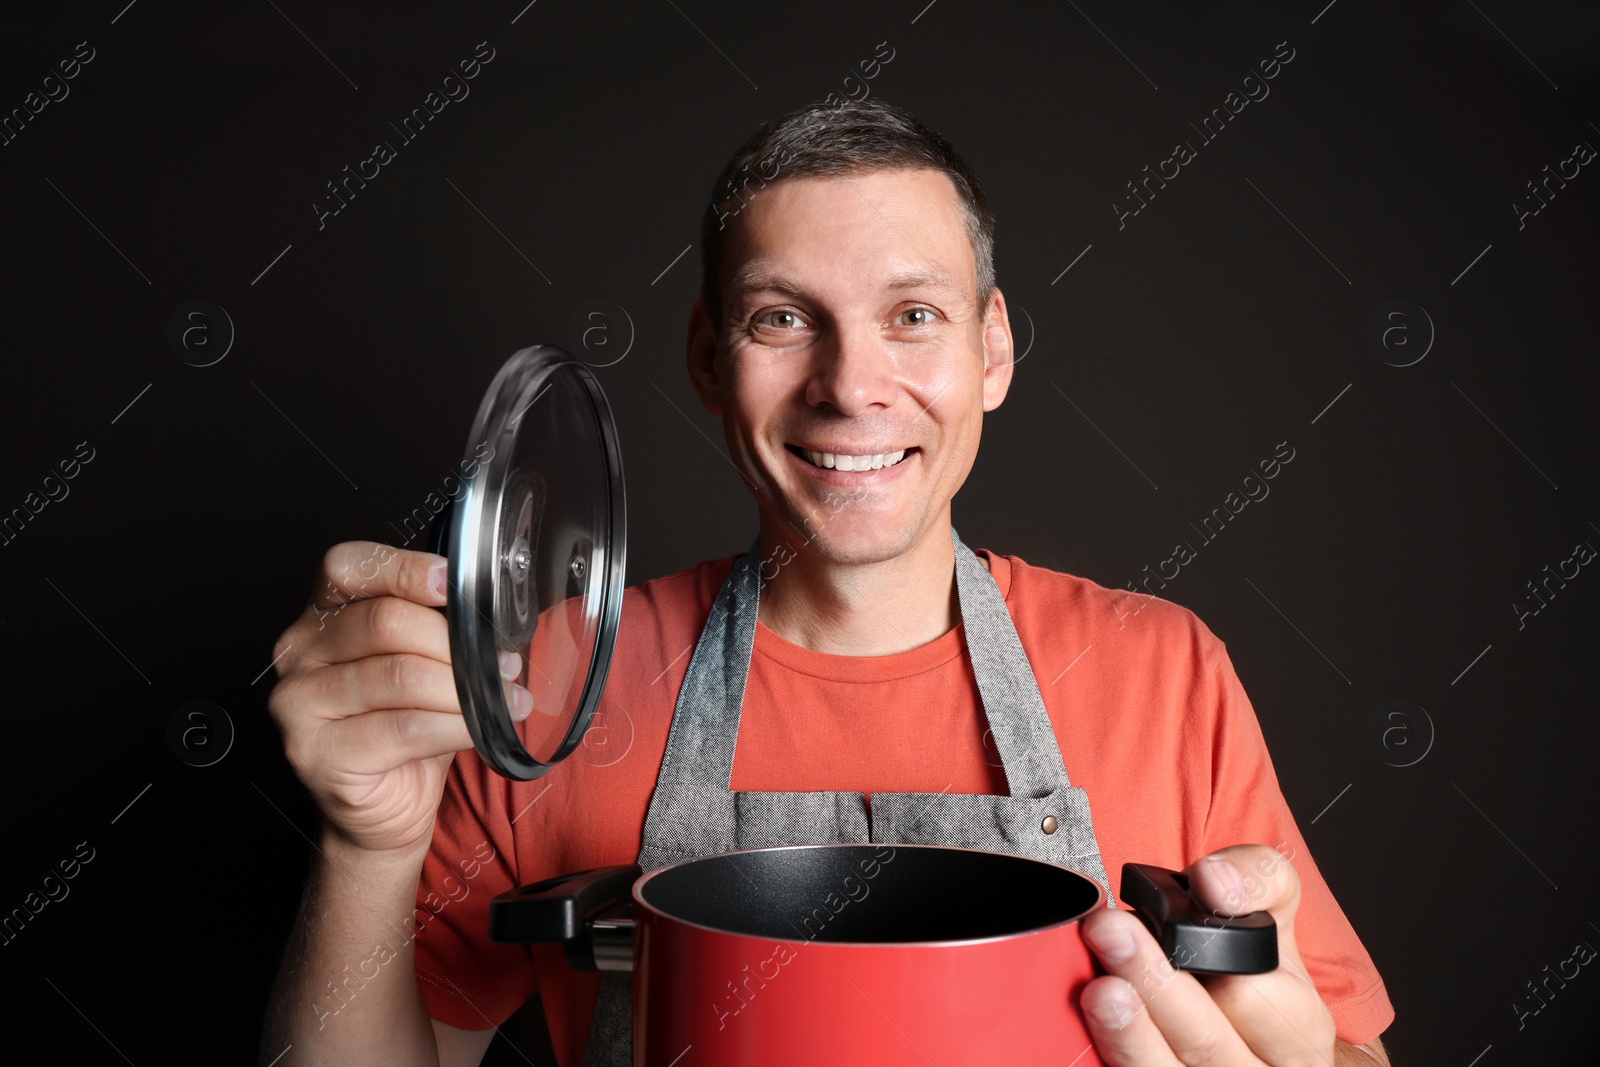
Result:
<point x="850" y="337"/>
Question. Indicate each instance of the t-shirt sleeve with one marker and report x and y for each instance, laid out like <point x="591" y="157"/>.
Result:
<point x="1248" y="807"/>
<point x="466" y="980"/>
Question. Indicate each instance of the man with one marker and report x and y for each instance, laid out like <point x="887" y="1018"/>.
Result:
<point x="850" y="337"/>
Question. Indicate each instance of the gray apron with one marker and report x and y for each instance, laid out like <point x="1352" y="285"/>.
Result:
<point x="694" y="813"/>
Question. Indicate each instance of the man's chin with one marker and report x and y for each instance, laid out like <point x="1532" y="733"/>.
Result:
<point x="861" y="542"/>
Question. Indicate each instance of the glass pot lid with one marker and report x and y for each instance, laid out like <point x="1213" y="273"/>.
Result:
<point x="536" y="546"/>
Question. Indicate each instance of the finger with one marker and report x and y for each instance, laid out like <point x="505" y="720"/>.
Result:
<point x="380" y="741"/>
<point x="1246" y="878"/>
<point x="1121" y="1029"/>
<point x="1280" y="1015"/>
<point x="398" y="680"/>
<point x="382" y="627"/>
<point x="358" y="570"/>
<point x="376" y="683"/>
<point x="1251" y="878"/>
<point x="1192" y="1025"/>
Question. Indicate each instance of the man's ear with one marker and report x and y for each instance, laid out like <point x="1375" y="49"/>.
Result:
<point x="999" y="352"/>
<point x="701" y="350"/>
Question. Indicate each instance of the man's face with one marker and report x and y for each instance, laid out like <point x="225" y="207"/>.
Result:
<point x="853" y="366"/>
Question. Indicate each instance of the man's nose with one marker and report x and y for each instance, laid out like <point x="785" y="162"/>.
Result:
<point x="852" y="372"/>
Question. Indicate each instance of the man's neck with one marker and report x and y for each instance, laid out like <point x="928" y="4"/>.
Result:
<point x="861" y="609"/>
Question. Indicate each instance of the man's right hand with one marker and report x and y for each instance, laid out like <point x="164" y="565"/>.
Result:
<point x="366" y="698"/>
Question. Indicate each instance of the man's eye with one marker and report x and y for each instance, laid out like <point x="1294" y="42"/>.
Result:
<point x="780" y="320"/>
<point x="915" y="316"/>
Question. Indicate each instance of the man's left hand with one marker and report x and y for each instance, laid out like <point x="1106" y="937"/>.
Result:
<point x="1145" y="1013"/>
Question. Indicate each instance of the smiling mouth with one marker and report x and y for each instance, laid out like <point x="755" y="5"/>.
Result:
<point x="846" y="462"/>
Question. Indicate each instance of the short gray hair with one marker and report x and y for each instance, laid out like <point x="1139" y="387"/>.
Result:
<point x="832" y="139"/>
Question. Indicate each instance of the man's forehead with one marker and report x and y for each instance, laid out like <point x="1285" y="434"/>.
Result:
<point x="872" y="232"/>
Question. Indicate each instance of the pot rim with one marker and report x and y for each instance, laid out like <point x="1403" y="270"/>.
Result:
<point x="1099" y="901"/>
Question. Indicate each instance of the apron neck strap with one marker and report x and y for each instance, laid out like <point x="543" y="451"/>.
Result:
<point x="705" y="723"/>
<point x="1006" y="683"/>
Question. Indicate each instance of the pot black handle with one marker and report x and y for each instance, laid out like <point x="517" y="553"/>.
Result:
<point x="1193" y="938"/>
<point x="590" y="913"/>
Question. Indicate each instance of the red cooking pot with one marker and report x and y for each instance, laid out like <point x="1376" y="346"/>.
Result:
<point x="861" y="953"/>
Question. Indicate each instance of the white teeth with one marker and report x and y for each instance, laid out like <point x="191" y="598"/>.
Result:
<point x="839" y="461"/>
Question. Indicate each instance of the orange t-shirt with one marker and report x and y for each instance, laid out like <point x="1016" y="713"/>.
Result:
<point x="1151" y="720"/>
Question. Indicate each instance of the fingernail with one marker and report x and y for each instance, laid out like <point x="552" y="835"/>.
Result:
<point x="1115" y="1011"/>
<point x="521" y="703"/>
<point x="438" y="578"/>
<point x="1111" y="942"/>
<point x="510" y="664"/>
<point x="1230" y="881"/>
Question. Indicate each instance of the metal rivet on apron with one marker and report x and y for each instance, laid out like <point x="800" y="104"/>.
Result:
<point x="1049" y="825"/>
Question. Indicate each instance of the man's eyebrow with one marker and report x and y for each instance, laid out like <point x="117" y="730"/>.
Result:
<point x="753" y="279"/>
<point x="921" y="279"/>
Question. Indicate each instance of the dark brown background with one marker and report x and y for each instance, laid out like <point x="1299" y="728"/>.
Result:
<point x="189" y="151"/>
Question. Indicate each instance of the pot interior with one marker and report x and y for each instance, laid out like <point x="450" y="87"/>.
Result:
<point x="869" y="893"/>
